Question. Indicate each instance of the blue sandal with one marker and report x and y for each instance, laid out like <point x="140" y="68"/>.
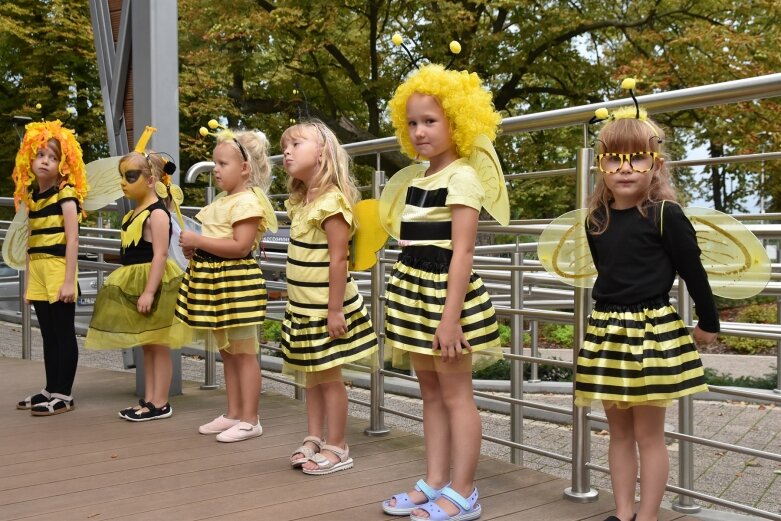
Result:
<point x="404" y="505"/>
<point x="468" y="508"/>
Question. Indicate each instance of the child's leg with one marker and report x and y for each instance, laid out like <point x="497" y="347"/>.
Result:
<point x="68" y="349"/>
<point x="654" y="459"/>
<point x="622" y="459"/>
<point x="436" y="429"/>
<point x="315" y="413"/>
<point x="463" y="428"/>
<point x="232" y="389"/>
<point x="158" y="369"/>
<point x="332" y="406"/>
<point x="43" y="310"/>
<point x="248" y="373"/>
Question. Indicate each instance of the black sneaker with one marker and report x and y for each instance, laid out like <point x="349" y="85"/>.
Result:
<point x="124" y="412"/>
<point x="151" y="413"/>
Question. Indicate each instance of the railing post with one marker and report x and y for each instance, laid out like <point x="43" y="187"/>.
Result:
<point x="580" y="490"/>
<point x="534" y="331"/>
<point x="683" y="503"/>
<point x="516" y="366"/>
<point x="777" y="390"/>
<point x="210" y="356"/>
<point x="377" y="392"/>
<point x="24" y="308"/>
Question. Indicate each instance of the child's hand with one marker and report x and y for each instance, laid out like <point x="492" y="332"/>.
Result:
<point x="703" y="338"/>
<point x="144" y="303"/>
<point x="450" y="340"/>
<point x="188" y="240"/>
<point x="67" y="293"/>
<point x="337" y="325"/>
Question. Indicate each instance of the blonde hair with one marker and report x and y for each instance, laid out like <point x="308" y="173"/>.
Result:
<point x="149" y="163"/>
<point x="334" y="163"/>
<point x="256" y="147"/>
<point x="468" y="106"/>
<point x="623" y="136"/>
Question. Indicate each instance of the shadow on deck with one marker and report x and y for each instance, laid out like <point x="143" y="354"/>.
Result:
<point x="90" y="465"/>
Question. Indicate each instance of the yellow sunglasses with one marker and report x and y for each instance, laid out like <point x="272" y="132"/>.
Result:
<point x="611" y="162"/>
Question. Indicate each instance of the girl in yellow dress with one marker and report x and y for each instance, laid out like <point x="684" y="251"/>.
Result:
<point x="326" y="324"/>
<point x="135" y="306"/>
<point x="438" y="311"/>
<point x="223" y="290"/>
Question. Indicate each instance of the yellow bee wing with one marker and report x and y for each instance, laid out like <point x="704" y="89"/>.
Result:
<point x="369" y="237"/>
<point x="563" y="250"/>
<point x="393" y="198"/>
<point x="15" y="242"/>
<point x="269" y="216"/>
<point x="489" y="170"/>
<point x="103" y="180"/>
<point x="736" y="262"/>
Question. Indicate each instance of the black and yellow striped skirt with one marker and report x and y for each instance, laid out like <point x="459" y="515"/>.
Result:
<point x="306" y="346"/>
<point x="637" y="355"/>
<point x="416" y="295"/>
<point x="219" y="293"/>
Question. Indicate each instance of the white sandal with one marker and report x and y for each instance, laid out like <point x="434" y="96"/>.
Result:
<point x="326" y="466"/>
<point x="59" y="404"/>
<point x="306" y="451"/>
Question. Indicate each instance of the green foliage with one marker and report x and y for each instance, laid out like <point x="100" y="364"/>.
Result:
<point x="562" y="334"/>
<point x="272" y="330"/>
<point x="754" y="314"/>
<point x="501" y="371"/>
<point x="505" y="335"/>
<point x="768" y="381"/>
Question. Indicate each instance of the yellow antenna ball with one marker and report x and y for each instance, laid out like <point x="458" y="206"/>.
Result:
<point x="213" y="124"/>
<point x="628" y="83"/>
<point x="295" y="91"/>
<point x="38" y="106"/>
<point x="70" y="110"/>
<point x="203" y="131"/>
<point x="397" y="39"/>
<point x="455" y="47"/>
<point x="601" y="113"/>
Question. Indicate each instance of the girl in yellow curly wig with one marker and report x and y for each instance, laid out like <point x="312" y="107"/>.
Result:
<point x="51" y="154"/>
<point x="439" y="314"/>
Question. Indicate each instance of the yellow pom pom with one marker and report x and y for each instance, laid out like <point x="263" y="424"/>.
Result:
<point x="38" y="106"/>
<point x="70" y="110"/>
<point x="628" y="83"/>
<point x="203" y="131"/>
<point x="601" y="113"/>
<point x="455" y="47"/>
<point x="213" y="124"/>
<point x="397" y="39"/>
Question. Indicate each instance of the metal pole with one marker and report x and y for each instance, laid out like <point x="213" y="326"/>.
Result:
<point x="534" y="330"/>
<point x="24" y="307"/>
<point x="580" y="490"/>
<point x="682" y="503"/>
<point x="210" y="361"/>
<point x="777" y="390"/>
<point x="516" y="366"/>
<point x="377" y="392"/>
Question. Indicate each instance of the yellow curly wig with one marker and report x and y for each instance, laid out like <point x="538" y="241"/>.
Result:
<point x="72" y="169"/>
<point x="467" y="105"/>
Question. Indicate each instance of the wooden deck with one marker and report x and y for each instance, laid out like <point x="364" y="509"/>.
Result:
<point x="90" y="465"/>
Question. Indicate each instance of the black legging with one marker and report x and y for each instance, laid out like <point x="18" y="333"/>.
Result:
<point x="60" y="350"/>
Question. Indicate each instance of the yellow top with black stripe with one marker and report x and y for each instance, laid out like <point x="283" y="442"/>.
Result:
<point x="426" y="219"/>
<point x="47" y="224"/>
<point x="219" y="217"/>
<point x="308" y="260"/>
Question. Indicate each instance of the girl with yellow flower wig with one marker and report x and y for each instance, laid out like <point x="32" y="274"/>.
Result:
<point x="51" y="183"/>
<point x="439" y="314"/>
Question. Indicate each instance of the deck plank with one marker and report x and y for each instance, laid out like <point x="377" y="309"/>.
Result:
<point x="89" y="464"/>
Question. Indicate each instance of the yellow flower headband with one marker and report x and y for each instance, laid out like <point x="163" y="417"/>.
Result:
<point x="72" y="171"/>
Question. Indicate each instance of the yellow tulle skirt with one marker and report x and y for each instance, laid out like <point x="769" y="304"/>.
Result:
<point x="116" y="322"/>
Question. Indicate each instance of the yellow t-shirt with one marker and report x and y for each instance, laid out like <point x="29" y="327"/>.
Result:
<point x="426" y="219"/>
<point x="307" y="254"/>
<point x="219" y="217"/>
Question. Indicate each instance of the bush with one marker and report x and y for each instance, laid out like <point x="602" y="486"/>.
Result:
<point x="754" y="314"/>
<point x="272" y="330"/>
<point x="769" y="381"/>
<point x="561" y="334"/>
<point x="547" y="373"/>
<point x="505" y="333"/>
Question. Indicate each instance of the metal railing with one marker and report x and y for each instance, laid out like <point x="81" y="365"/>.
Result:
<point x="524" y="293"/>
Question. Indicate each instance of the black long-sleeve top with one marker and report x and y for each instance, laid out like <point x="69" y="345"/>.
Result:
<point x="637" y="258"/>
